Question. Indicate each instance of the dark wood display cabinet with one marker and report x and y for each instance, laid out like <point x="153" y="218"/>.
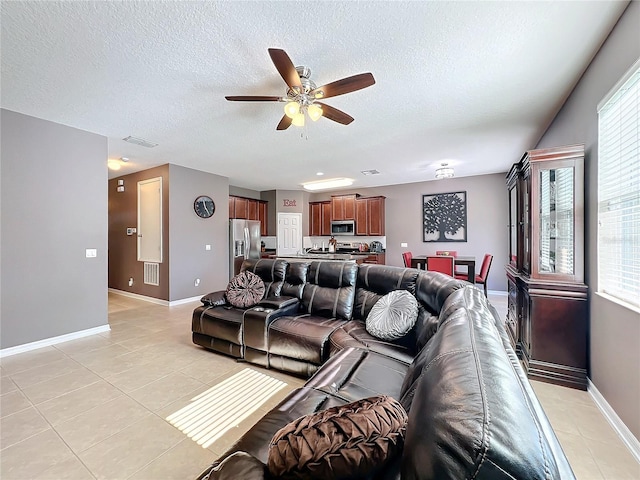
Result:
<point x="249" y="209"/>
<point x="547" y="315"/>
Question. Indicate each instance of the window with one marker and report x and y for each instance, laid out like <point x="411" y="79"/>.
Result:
<point x="619" y="190"/>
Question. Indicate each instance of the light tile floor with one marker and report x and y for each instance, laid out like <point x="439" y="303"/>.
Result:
<point x="95" y="408"/>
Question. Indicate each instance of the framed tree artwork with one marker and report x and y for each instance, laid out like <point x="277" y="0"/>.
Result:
<point x="444" y="217"/>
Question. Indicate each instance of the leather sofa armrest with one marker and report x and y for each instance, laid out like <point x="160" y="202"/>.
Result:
<point x="214" y="299"/>
<point x="278" y="302"/>
<point x="256" y="322"/>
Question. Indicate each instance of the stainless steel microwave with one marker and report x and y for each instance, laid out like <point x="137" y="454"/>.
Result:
<point x="343" y="227"/>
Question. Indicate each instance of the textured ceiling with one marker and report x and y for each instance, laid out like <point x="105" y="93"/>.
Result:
<point x="471" y="83"/>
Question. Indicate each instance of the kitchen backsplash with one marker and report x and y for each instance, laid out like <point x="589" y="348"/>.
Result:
<point x="309" y="242"/>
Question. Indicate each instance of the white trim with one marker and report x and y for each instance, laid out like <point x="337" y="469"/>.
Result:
<point x="26" y="347"/>
<point x="627" y="75"/>
<point x="618" y="301"/>
<point x="173" y="303"/>
<point x="614" y="420"/>
<point x="157" y="301"/>
<point x="499" y="293"/>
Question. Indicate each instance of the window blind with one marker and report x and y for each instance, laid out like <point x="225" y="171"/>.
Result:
<point x="619" y="190"/>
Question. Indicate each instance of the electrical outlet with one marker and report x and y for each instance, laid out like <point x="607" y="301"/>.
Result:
<point x="131" y="282"/>
<point x="197" y="282"/>
<point x="404" y="244"/>
<point x="207" y="247"/>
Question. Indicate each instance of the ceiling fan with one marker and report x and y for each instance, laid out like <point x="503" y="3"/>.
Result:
<point x="304" y="97"/>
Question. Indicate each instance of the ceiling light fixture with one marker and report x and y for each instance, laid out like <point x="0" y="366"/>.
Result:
<point x="329" y="183"/>
<point x="444" y="171"/>
<point x="113" y="164"/>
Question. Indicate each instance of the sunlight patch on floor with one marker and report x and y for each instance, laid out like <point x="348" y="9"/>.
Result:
<point x="224" y="406"/>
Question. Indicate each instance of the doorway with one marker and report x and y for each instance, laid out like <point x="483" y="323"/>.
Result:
<point x="289" y="234"/>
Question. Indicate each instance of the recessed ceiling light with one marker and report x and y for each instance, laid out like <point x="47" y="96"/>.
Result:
<point x="320" y="174"/>
<point x="329" y="183"/>
<point x="370" y="172"/>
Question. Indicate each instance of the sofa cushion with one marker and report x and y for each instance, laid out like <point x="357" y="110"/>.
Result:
<point x="271" y="271"/>
<point x="352" y="440"/>
<point x="393" y="316"/>
<point x="235" y="466"/>
<point x="330" y="289"/>
<point x="245" y="290"/>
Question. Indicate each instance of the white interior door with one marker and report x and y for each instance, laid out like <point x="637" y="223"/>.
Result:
<point x="289" y="234"/>
<point x="150" y="220"/>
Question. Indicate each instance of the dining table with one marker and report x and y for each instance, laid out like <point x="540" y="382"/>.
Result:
<point x="463" y="260"/>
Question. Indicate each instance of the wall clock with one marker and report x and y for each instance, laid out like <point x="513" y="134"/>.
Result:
<point x="204" y="206"/>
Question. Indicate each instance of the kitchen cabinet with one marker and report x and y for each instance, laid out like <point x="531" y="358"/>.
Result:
<point x="343" y="207"/>
<point x="249" y="209"/>
<point x="376" y="259"/>
<point x="375" y="216"/>
<point x="362" y="221"/>
<point x="547" y="298"/>
<point x="319" y="218"/>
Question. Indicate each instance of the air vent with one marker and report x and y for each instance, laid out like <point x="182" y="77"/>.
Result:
<point x="152" y="273"/>
<point x="370" y="172"/>
<point x="140" y="141"/>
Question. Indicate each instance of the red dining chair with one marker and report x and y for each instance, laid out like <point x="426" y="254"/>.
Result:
<point x="454" y="254"/>
<point x="441" y="263"/>
<point x="483" y="276"/>
<point x="406" y="257"/>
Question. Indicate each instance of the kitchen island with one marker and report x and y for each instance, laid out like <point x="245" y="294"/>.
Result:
<point x="326" y="257"/>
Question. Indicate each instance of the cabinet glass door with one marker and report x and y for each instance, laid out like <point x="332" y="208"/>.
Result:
<point x="526" y="224"/>
<point x="513" y="226"/>
<point x="556" y="242"/>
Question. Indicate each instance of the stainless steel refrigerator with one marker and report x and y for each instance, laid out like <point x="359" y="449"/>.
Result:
<point x="244" y="242"/>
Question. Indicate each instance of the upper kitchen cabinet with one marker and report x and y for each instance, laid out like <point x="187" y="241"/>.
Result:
<point x="343" y="207"/>
<point x="319" y="218"/>
<point x="370" y="216"/>
<point x="249" y="209"/>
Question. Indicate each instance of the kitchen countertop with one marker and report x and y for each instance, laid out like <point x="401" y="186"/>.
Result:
<point x="326" y="256"/>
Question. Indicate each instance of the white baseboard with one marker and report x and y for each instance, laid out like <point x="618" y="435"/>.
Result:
<point x="614" y="420"/>
<point x="500" y="293"/>
<point x="157" y="301"/>
<point x="185" y="300"/>
<point x="6" y="352"/>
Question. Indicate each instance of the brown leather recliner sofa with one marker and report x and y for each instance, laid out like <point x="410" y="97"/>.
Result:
<point x="471" y="411"/>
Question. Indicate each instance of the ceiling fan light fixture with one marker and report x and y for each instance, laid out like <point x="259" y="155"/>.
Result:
<point x="298" y="119"/>
<point x="329" y="183"/>
<point x="291" y="109"/>
<point x="314" y="111"/>
<point x="444" y="171"/>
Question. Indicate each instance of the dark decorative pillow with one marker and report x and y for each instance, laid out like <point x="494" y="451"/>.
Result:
<point x="239" y="465"/>
<point x="393" y="315"/>
<point x="352" y="440"/>
<point x="245" y="290"/>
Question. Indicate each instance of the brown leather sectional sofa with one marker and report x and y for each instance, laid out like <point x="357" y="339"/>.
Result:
<point x="471" y="411"/>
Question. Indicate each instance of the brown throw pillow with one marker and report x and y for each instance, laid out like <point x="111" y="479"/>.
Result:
<point x="352" y="440"/>
<point x="245" y="290"/>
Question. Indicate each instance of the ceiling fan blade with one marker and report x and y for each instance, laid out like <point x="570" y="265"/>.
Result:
<point x="345" y="85"/>
<point x="334" y="114"/>
<point x="285" y="67"/>
<point x="284" y="123"/>
<point x="252" y="98"/>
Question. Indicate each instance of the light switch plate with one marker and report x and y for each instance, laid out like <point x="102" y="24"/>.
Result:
<point x="404" y="245"/>
<point x="207" y="247"/>
<point x="91" y="252"/>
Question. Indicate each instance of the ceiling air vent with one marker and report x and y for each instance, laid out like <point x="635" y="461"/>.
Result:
<point x="140" y="141"/>
<point x="370" y="172"/>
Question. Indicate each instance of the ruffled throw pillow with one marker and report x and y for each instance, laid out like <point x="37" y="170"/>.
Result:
<point x="354" y="440"/>
<point x="393" y="315"/>
<point x="245" y="290"/>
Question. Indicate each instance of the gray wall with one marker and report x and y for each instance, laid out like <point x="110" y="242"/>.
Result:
<point x="487" y="217"/>
<point x="188" y="234"/>
<point x="54" y="206"/>
<point x="614" y="330"/>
